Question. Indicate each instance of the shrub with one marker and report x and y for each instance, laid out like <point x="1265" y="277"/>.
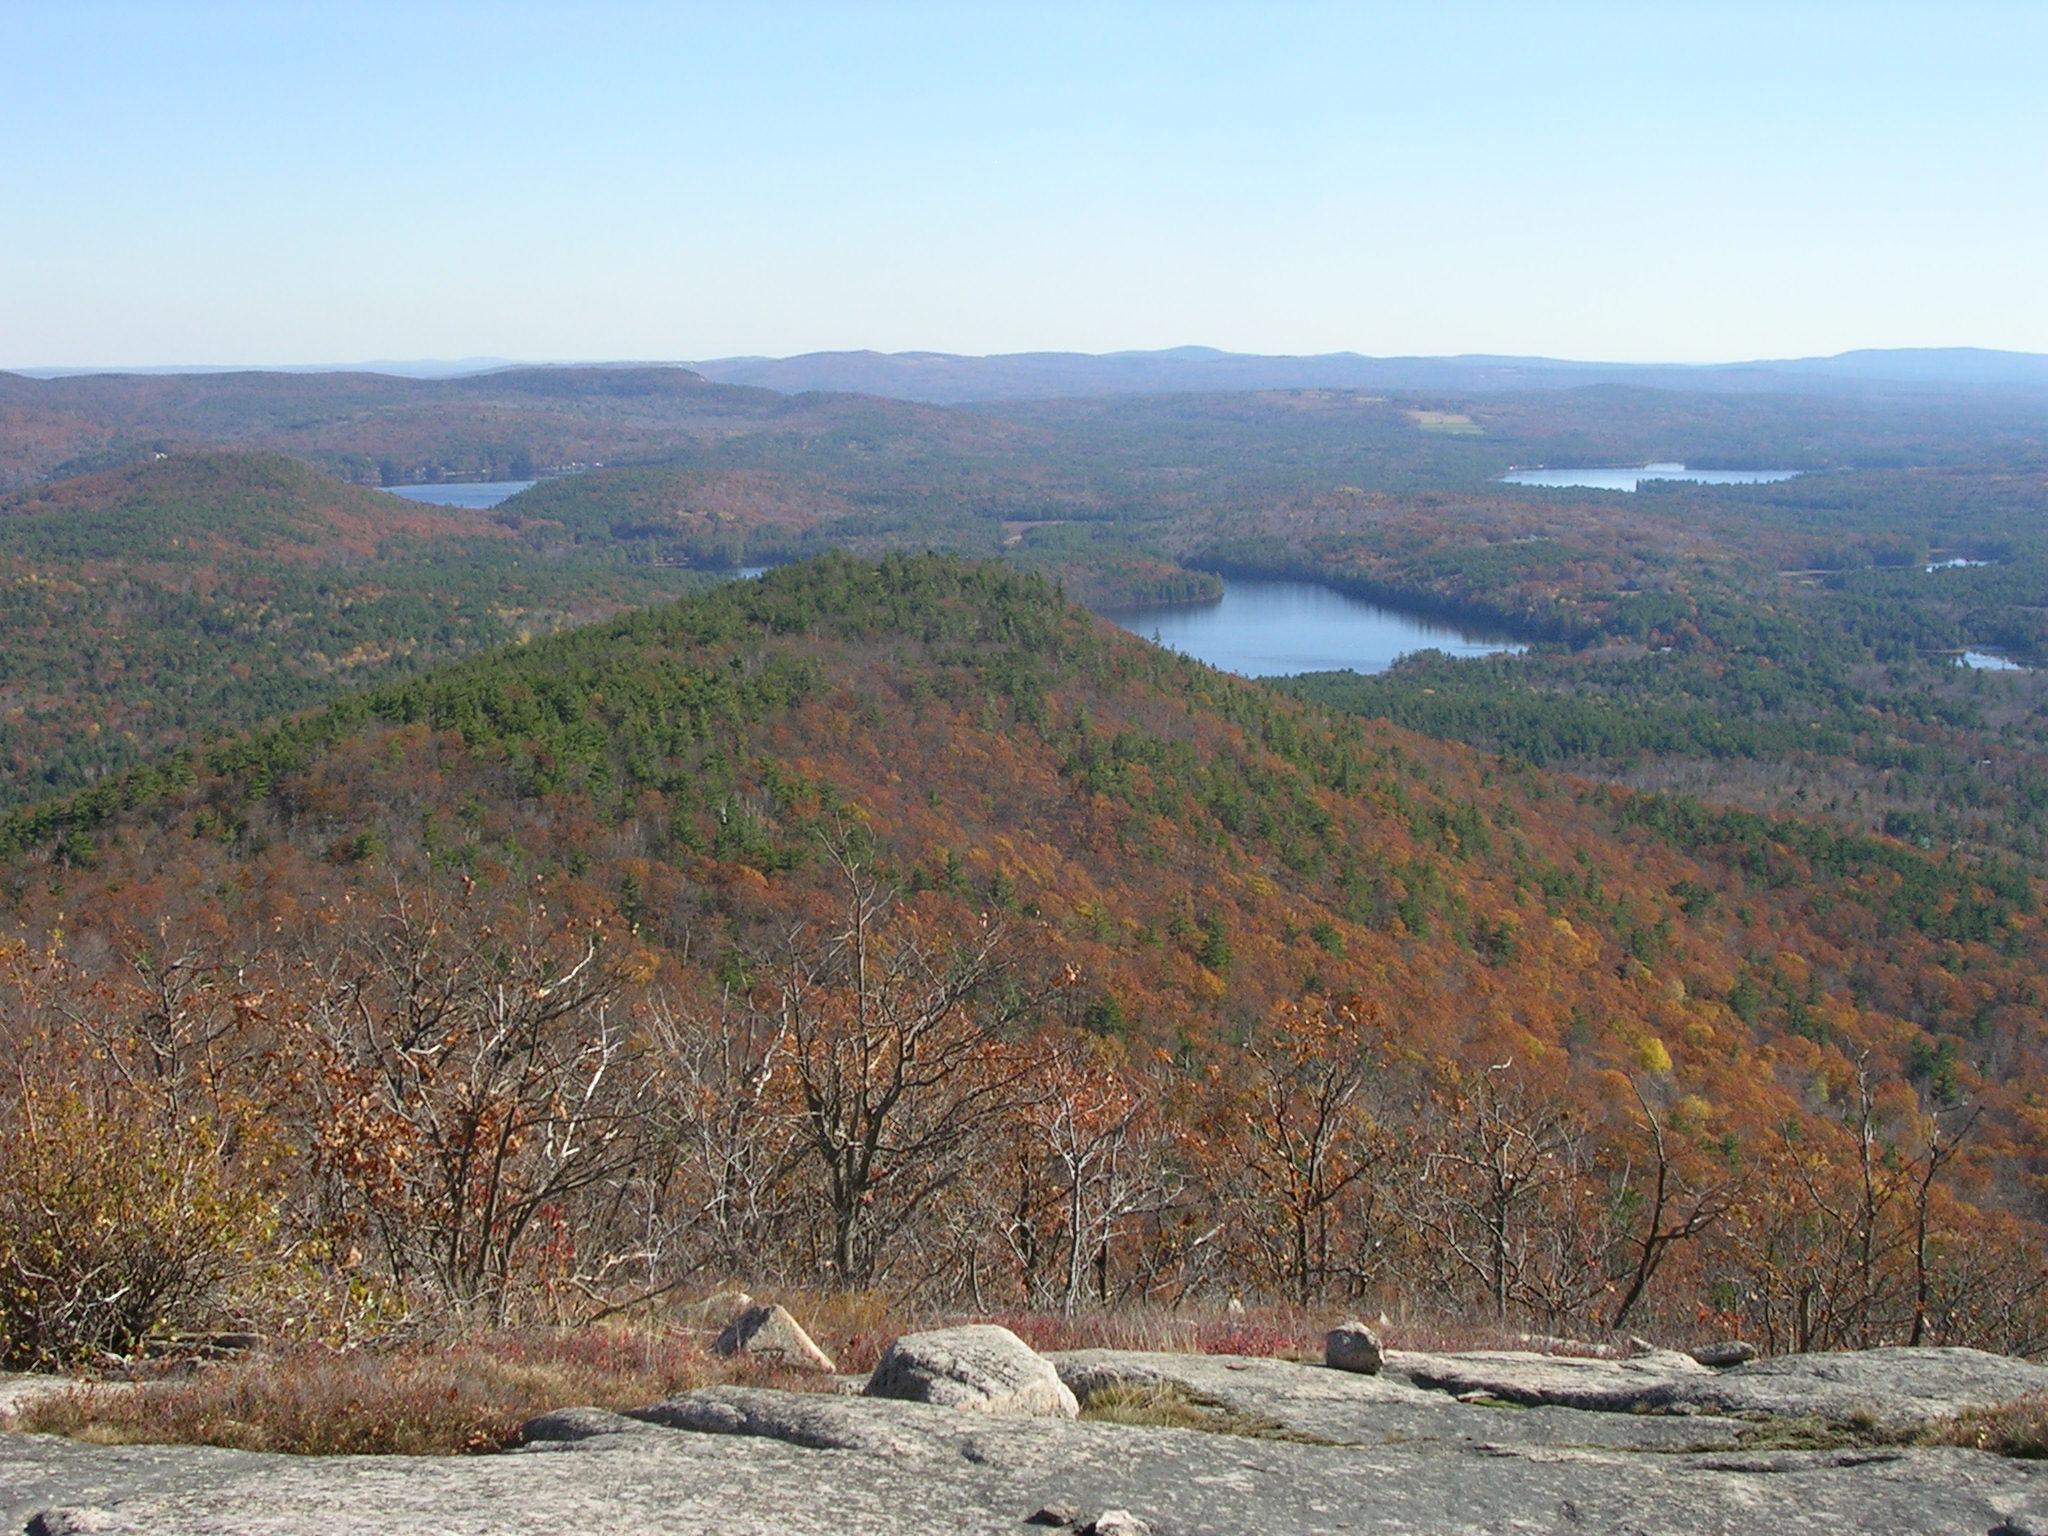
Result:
<point x="114" y="1226"/>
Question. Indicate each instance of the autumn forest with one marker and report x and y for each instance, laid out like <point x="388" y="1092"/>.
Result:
<point x="419" y="916"/>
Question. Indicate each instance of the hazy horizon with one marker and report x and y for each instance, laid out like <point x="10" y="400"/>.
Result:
<point x="232" y="185"/>
<point x="483" y="363"/>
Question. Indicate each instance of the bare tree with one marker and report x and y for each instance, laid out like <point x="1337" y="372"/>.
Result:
<point x="1938" y="1150"/>
<point x="1498" y="1152"/>
<point x="1677" y="1210"/>
<point x="899" y="1058"/>
<point x="474" y="1085"/>
<point x="725" y="1136"/>
<point x="1309" y="1144"/>
<point x="1102" y="1159"/>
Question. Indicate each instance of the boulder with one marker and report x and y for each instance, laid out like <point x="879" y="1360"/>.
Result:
<point x="980" y="1367"/>
<point x="1721" y="1356"/>
<point x="770" y="1333"/>
<point x="1352" y="1346"/>
<point x="716" y="1310"/>
<point x="1117" y="1522"/>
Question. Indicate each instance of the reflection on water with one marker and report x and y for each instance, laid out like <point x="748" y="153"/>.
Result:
<point x="1627" y="477"/>
<point x="1280" y="628"/>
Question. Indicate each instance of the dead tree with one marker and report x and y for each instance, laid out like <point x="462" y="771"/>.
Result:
<point x="1678" y="1210"/>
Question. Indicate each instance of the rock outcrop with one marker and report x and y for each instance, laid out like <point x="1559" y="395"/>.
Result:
<point x="1315" y="1451"/>
<point x="1894" y="1388"/>
<point x="981" y="1367"/>
<point x="770" y="1333"/>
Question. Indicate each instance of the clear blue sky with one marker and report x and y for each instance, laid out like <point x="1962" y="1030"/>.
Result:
<point x="292" y="182"/>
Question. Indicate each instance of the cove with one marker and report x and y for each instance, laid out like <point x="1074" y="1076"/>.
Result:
<point x="1265" y="628"/>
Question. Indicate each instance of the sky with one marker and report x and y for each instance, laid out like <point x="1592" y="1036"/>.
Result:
<point x="291" y="182"/>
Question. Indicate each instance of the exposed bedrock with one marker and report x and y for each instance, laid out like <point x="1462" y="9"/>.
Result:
<point x="1542" y="1444"/>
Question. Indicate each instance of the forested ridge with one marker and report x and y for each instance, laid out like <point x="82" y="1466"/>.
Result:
<point x="897" y="923"/>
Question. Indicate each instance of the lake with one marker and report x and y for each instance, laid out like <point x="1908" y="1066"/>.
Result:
<point x="1627" y="477"/>
<point x="474" y="494"/>
<point x="1989" y="661"/>
<point x="1262" y="628"/>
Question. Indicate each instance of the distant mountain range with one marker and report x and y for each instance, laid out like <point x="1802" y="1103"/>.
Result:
<point x="948" y="378"/>
<point x="412" y="368"/>
<point x="951" y="378"/>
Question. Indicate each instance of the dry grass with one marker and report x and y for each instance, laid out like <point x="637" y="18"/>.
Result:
<point x="1170" y="1405"/>
<point x="2018" y="1428"/>
<point x="414" y="1399"/>
<point x="1278" y="1332"/>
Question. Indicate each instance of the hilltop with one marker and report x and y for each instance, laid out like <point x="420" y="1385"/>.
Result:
<point x="197" y="508"/>
<point x="1197" y="885"/>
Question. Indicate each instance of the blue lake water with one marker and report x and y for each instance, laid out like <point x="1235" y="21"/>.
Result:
<point x="1988" y="661"/>
<point x="474" y="494"/>
<point x="1627" y="477"/>
<point x="1279" y="628"/>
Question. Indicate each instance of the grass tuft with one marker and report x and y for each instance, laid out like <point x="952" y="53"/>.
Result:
<point x="1170" y="1405"/>
<point x="2018" y="1429"/>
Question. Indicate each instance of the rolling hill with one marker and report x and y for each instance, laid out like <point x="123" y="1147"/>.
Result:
<point x="1189" y="873"/>
<point x="202" y="591"/>
<point x="377" y="428"/>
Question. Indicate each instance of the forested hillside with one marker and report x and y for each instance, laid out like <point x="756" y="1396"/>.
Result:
<point x="202" y="591"/>
<point x="898" y="923"/>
